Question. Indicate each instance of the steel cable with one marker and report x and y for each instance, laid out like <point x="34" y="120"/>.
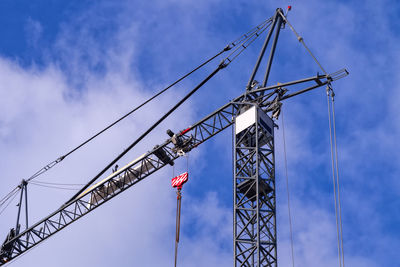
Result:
<point x="245" y="36"/>
<point x="334" y="180"/>
<point x="12" y="198"/>
<point x="248" y="41"/>
<point x="337" y="172"/>
<point x="54" y="187"/>
<point x="10" y="194"/>
<point x="287" y="189"/>
<point x="301" y="40"/>
<point x="334" y="153"/>
<point x="62" y="184"/>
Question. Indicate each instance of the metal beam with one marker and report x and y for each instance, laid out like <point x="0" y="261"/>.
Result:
<point x="261" y="55"/>
<point x="273" y="47"/>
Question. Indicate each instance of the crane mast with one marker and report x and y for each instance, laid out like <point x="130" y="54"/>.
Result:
<point x="252" y="114"/>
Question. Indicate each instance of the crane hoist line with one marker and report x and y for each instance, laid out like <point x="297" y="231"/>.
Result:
<point x="254" y="193"/>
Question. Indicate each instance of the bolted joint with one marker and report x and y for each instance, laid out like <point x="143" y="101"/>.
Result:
<point x="300" y="38"/>
<point x="170" y="133"/>
<point x="224" y="63"/>
<point x="228" y="47"/>
<point x="182" y="144"/>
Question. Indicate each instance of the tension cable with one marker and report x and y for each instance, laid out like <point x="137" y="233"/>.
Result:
<point x="287" y="188"/>
<point x="335" y="171"/>
<point x="301" y="40"/>
<point x="55" y="186"/>
<point x="11" y="196"/>
<point x="247" y="42"/>
<point x="334" y="152"/>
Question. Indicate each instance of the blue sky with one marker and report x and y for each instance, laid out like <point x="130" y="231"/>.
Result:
<point x="68" y="68"/>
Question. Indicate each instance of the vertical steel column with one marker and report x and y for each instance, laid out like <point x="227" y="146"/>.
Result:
<point x="254" y="192"/>
<point x="273" y="47"/>
<point x="26" y="204"/>
<point x="19" y="207"/>
<point x="261" y="55"/>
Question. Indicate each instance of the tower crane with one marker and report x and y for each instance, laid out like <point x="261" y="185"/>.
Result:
<point x="253" y="115"/>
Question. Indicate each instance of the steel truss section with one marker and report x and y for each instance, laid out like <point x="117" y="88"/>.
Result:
<point x="254" y="196"/>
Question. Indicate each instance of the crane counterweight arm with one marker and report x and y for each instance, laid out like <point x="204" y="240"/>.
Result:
<point x="152" y="161"/>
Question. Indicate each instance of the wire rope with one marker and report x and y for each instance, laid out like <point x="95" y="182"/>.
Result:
<point x="54" y="183"/>
<point x="334" y="152"/>
<point x="287" y="189"/>
<point x="54" y="187"/>
<point x="337" y="172"/>
<point x="245" y="36"/>
<point x="7" y="196"/>
<point x="246" y="43"/>
<point x="301" y="40"/>
<point x="12" y="199"/>
<point x="334" y="180"/>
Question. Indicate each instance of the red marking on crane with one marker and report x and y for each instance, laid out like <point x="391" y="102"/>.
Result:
<point x="289" y="8"/>
<point x="179" y="180"/>
<point x="185" y="131"/>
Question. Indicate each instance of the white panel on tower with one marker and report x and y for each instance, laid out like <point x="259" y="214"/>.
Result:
<point x="246" y="119"/>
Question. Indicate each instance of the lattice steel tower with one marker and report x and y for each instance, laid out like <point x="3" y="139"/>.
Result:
<point x="254" y="171"/>
<point x="254" y="194"/>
